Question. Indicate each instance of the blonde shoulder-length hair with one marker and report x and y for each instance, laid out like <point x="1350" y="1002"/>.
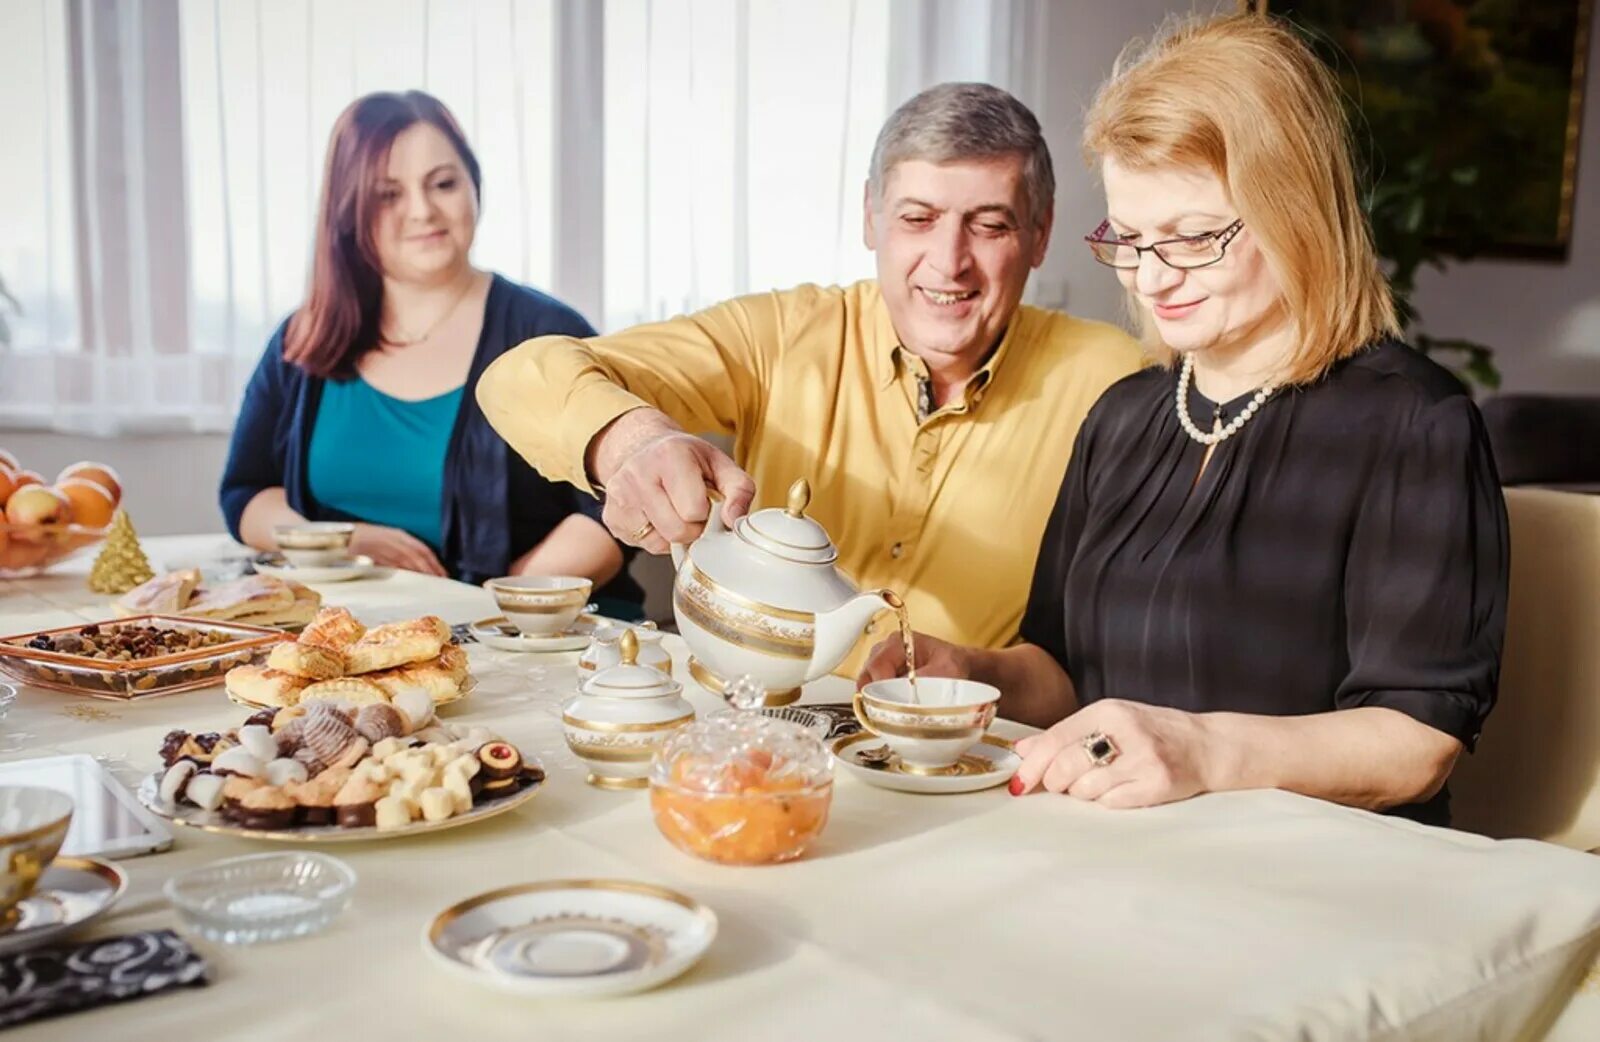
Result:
<point x="1244" y="97"/>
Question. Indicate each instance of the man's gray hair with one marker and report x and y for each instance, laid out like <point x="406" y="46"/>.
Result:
<point x="953" y="122"/>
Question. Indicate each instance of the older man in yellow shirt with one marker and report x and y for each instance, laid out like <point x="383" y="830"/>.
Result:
<point x="932" y="414"/>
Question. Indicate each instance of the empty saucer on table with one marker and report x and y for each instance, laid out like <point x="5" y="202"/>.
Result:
<point x="71" y="892"/>
<point x="274" y="565"/>
<point x="497" y="632"/>
<point x="989" y="763"/>
<point x="572" y="937"/>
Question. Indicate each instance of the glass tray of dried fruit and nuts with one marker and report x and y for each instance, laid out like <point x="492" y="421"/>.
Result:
<point x="133" y="658"/>
<point x="328" y="772"/>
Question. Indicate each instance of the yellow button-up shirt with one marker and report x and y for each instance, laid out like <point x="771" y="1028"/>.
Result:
<point x="946" y="506"/>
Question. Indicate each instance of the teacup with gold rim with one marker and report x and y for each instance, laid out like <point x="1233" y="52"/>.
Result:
<point x="314" y="544"/>
<point x="541" y="605"/>
<point x="930" y="726"/>
<point x="33" y="824"/>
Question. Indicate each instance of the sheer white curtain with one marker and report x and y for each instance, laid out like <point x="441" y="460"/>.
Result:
<point x="641" y="158"/>
<point x="738" y="135"/>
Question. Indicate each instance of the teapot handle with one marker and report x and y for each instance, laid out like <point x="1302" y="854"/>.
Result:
<point x="714" y="525"/>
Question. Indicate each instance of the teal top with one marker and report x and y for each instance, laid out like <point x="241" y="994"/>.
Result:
<point x="381" y="458"/>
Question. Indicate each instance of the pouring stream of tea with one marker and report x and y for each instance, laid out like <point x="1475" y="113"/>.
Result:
<point x="904" y="615"/>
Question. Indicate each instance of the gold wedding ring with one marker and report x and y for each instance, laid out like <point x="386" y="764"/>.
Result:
<point x="1100" y="749"/>
<point x="638" y="534"/>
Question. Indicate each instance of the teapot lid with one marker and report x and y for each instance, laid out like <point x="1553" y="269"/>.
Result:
<point x="787" y="533"/>
<point x="628" y="679"/>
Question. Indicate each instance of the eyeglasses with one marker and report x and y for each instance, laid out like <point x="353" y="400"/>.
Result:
<point x="1191" y="251"/>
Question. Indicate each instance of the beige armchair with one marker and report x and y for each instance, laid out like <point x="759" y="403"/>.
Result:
<point x="1536" y="773"/>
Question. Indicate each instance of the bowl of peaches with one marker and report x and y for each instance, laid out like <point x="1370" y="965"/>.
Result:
<point x="42" y="523"/>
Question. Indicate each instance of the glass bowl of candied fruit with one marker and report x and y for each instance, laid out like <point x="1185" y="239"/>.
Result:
<point x="740" y="788"/>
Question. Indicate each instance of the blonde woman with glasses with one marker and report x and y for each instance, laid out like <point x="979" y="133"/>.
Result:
<point x="1279" y="559"/>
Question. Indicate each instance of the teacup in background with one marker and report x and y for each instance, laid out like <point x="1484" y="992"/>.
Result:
<point x="314" y="544"/>
<point x="33" y="823"/>
<point x="541" y="605"/>
<point x="932" y="730"/>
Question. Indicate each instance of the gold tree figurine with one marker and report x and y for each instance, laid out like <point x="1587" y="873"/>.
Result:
<point x="122" y="564"/>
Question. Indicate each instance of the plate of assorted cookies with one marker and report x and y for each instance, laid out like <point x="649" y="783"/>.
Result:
<point x="335" y="658"/>
<point x="326" y="771"/>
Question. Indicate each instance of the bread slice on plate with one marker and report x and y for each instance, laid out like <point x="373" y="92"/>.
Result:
<point x="164" y="595"/>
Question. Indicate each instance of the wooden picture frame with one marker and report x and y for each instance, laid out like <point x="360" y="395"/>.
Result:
<point x="1492" y="109"/>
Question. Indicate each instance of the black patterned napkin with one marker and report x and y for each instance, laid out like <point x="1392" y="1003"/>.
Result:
<point x="66" y="978"/>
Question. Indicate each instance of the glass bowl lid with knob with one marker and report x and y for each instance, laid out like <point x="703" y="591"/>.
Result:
<point x="740" y="787"/>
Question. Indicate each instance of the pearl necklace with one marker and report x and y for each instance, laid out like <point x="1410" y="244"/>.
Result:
<point x="1213" y="437"/>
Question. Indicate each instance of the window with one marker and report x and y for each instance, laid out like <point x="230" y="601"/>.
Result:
<point x="641" y="158"/>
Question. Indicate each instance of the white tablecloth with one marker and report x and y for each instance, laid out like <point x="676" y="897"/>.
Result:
<point x="1242" y="915"/>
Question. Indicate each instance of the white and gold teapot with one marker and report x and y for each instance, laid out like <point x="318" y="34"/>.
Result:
<point x="764" y="598"/>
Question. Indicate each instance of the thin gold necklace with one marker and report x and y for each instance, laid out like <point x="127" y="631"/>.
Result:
<point x="388" y="341"/>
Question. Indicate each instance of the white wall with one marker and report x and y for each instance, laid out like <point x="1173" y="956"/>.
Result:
<point x="1542" y="319"/>
<point x="1083" y="40"/>
<point x="169" y="481"/>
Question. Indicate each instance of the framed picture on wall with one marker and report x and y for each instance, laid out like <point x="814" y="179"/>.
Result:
<point x="1471" y="106"/>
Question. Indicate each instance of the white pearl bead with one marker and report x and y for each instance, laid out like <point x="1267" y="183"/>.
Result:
<point x="1185" y="374"/>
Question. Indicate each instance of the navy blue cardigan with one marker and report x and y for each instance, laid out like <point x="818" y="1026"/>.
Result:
<point x="495" y="507"/>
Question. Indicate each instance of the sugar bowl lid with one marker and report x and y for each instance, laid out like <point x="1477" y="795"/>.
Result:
<point x="629" y="679"/>
<point x="787" y="532"/>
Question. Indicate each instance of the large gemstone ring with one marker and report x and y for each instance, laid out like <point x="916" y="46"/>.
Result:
<point x="1100" y="748"/>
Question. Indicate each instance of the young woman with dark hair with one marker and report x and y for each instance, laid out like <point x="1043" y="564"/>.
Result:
<point x="357" y="410"/>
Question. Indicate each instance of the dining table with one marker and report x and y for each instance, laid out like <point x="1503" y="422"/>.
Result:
<point x="968" y="917"/>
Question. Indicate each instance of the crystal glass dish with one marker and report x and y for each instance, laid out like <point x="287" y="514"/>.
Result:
<point x="741" y="788"/>
<point x="262" y="897"/>
<point x="234" y="644"/>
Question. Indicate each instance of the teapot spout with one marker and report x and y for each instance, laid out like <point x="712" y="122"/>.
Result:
<point x="838" y="630"/>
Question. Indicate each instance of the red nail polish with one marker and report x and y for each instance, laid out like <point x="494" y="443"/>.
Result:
<point x="1015" y="787"/>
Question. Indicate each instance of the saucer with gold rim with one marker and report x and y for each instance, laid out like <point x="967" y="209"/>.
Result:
<point x="72" y="892"/>
<point x="498" y="633"/>
<point x="572" y="937"/>
<point x="275" y="566"/>
<point x="990" y="762"/>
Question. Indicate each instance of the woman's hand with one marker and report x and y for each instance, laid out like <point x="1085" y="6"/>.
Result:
<point x="1163" y="755"/>
<point x="395" y="548"/>
<point x="935" y="658"/>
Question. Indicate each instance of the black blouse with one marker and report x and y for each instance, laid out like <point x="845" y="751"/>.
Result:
<point x="1347" y="547"/>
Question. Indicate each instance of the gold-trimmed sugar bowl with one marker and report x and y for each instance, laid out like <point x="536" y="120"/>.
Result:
<point x="620" y="716"/>
<point x="605" y="648"/>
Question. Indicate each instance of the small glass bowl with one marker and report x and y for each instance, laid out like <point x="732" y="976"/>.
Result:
<point x="262" y="897"/>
